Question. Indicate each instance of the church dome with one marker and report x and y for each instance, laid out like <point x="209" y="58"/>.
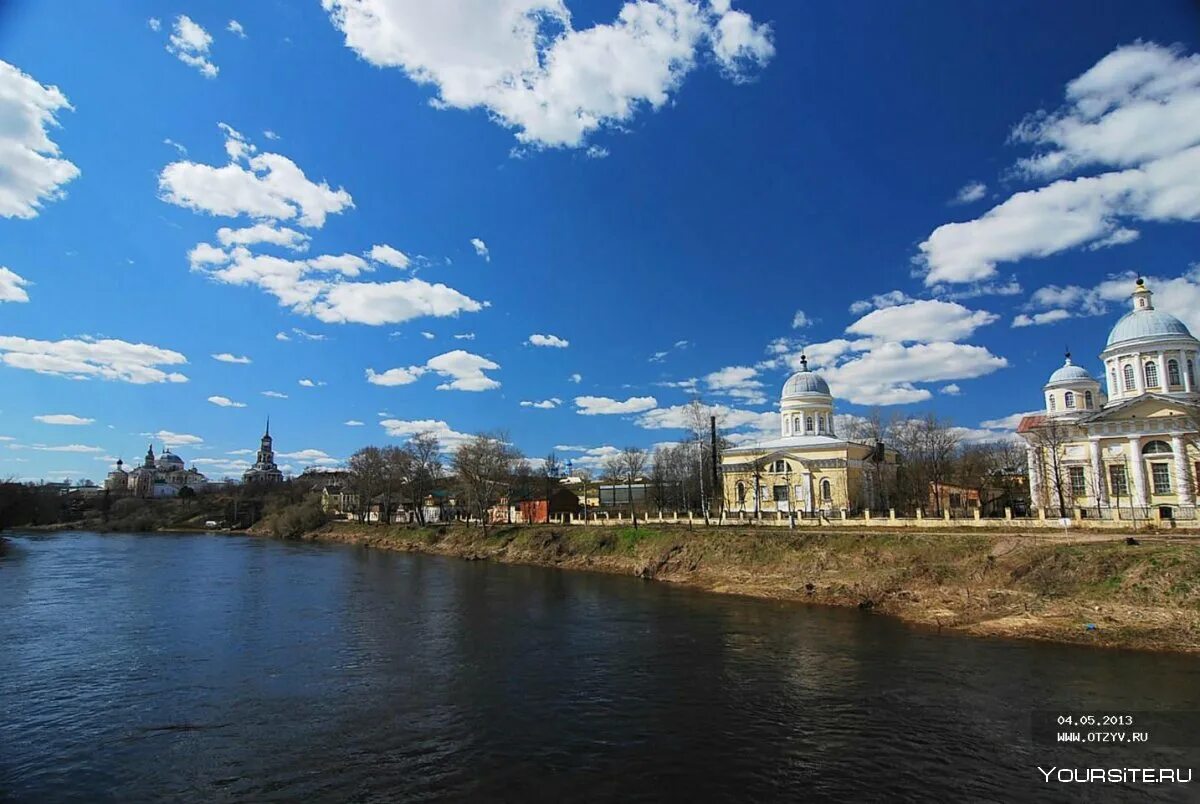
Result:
<point x="169" y="462"/>
<point x="1069" y="372"/>
<point x="1140" y="325"/>
<point x="805" y="383"/>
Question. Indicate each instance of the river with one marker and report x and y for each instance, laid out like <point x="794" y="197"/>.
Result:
<point x="215" y="668"/>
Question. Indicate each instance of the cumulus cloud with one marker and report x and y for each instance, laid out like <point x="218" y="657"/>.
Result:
<point x="604" y="406"/>
<point x="258" y="185"/>
<point x="801" y="320"/>
<point x="66" y="419"/>
<point x="190" y="43"/>
<point x="545" y="404"/>
<point x="481" y="248"/>
<point x="395" y="376"/>
<point x="226" y="357"/>
<point x="881" y="300"/>
<point x="263" y="233"/>
<point x="925" y="320"/>
<point x="225" y="402"/>
<point x="679" y="417"/>
<point x="79" y="448"/>
<point x="1136" y="113"/>
<point x="1038" y="319"/>
<point x="85" y="358"/>
<point x="552" y="341"/>
<point x="175" y="439"/>
<point x="274" y="394"/>
<point x="404" y="428"/>
<point x="575" y="378"/>
<point x="970" y="192"/>
<point x="738" y="382"/>
<point x="308" y="383"/>
<point x="33" y="170"/>
<point x="235" y="28"/>
<point x="12" y="286"/>
<point x="464" y="371"/>
<point x="1179" y="296"/>
<point x="526" y="63"/>
<point x="950" y="390"/>
<point x="352" y="423"/>
<point x="387" y="255"/>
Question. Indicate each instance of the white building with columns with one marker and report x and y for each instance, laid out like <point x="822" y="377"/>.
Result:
<point x="1132" y="449"/>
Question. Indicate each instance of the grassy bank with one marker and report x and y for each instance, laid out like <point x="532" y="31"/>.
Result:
<point x="1107" y="593"/>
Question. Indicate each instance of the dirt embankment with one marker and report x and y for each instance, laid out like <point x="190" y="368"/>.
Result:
<point x="1107" y="593"/>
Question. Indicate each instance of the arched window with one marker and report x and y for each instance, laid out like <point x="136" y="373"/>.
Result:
<point x="1151" y="375"/>
<point x="821" y="423"/>
<point x="795" y="425"/>
<point x="1191" y="376"/>
<point x="1050" y="399"/>
<point x="1069" y="399"/>
<point x="826" y="491"/>
<point x="741" y="492"/>
<point x="780" y="466"/>
<point x="1087" y="400"/>
<point x="1130" y="380"/>
<point x="1173" y="377"/>
<point x="808" y="424"/>
<point x="1156" y="448"/>
<point x="1112" y="380"/>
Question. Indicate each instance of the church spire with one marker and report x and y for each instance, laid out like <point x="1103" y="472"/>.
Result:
<point x="268" y="431"/>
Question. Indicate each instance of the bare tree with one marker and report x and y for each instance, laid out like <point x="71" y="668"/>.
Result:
<point x="367" y="473"/>
<point x="551" y="473"/>
<point x="627" y="466"/>
<point x="585" y="481"/>
<point x="426" y="457"/>
<point x="1050" y="439"/>
<point x="397" y="472"/>
<point x="484" y="464"/>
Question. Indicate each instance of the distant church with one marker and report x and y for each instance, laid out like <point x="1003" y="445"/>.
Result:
<point x="264" y="469"/>
<point x="1128" y="450"/>
<point x="163" y="476"/>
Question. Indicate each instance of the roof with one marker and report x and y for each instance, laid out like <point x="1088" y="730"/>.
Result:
<point x="1069" y="372"/>
<point x="1142" y="325"/>
<point x="1141" y="399"/>
<point x="805" y="382"/>
<point x="788" y="442"/>
<point x="1031" y="423"/>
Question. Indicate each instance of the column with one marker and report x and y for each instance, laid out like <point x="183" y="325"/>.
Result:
<point x="1139" y="373"/>
<point x="1183" y="473"/>
<point x="1099" y="487"/>
<point x="1163" y="385"/>
<point x="1187" y="379"/>
<point x="1033" y="456"/>
<point x="1137" y="467"/>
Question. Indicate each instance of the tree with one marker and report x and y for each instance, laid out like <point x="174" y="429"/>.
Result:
<point x="1050" y="440"/>
<point x="484" y="464"/>
<point x="625" y="467"/>
<point x="551" y="472"/>
<point x="397" y="470"/>
<point x="425" y="453"/>
<point x="367" y="472"/>
<point x="585" y="481"/>
<point x="187" y="494"/>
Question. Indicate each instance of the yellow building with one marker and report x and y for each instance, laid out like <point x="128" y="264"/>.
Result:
<point x="1129" y="452"/>
<point x="809" y="468"/>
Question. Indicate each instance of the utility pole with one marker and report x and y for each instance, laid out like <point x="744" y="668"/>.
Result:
<point x="712" y="435"/>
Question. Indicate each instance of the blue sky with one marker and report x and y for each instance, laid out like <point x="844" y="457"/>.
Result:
<point x="685" y="194"/>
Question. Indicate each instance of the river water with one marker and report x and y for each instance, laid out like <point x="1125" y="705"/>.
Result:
<point x="213" y="668"/>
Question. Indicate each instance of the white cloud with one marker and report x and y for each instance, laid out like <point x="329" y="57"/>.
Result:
<point x="352" y="423"/>
<point x="307" y="383"/>
<point x="481" y="248"/>
<point x="526" y="63"/>
<point x="310" y="456"/>
<point x="190" y="43"/>
<point x="1179" y="296"/>
<point x="465" y="336"/>
<point x="464" y="370"/>
<point x="260" y="185"/>
<point x="12" y="286"/>
<point x="970" y="192"/>
<point x="84" y="358"/>
<point x="269" y="134"/>
<point x="604" y="406"/>
<point x="304" y="335"/>
<point x="575" y="378"/>
<point x="154" y="24"/>
<point x="545" y="404"/>
<point x="1138" y="111"/>
<point x="175" y="439"/>
<point x="552" y="341"/>
<point x="395" y="376"/>
<point x="263" y="233"/>
<point x="801" y="320"/>
<point x="879" y="301"/>
<point x="925" y="320"/>
<point x="282" y="336"/>
<point x="78" y="448"/>
<point x="235" y="28"/>
<point x="66" y="419"/>
<point x="33" y="169"/>
<point x="679" y="417"/>
<point x="428" y="335"/>
<point x="738" y="382"/>
<point x="225" y="402"/>
<point x="1009" y="422"/>
<point x="387" y="255"/>
<point x="274" y="394"/>
<point x="226" y="357"/>
<point x="886" y="373"/>
<point x="400" y="428"/>
<point x="1048" y="317"/>
<point x="950" y="390"/>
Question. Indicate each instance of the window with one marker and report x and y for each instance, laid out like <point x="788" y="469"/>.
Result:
<point x="1050" y="397"/>
<point x="1130" y="382"/>
<point x="779" y="494"/>
<point x="955" y="499"/>
<point x="1112" y="380"/>
<point x="1160" y="475"/>
<point x="1087" y="400"/>
<point x="1078" y="481"/>
<point x="808" y="424"/>
<point x="1156" y="448"/>
<point x="741" y="492"/>
<point x="795" y="424"/>
<point x="1117" y="483"/>
<point x="1191" y="377"/>
<point x="821" y="423"/>
<point x="1069" y="399"/>
<point x="826" y="491"/>
<point x="1173" y="377"/>
<point x="1151" y="375"/>
<point x="780" y="466"/>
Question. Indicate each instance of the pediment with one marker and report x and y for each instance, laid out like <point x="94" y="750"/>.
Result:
<point x="1146" y="407"/>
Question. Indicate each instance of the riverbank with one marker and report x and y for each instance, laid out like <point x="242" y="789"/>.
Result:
<point x="1087" y="590"/>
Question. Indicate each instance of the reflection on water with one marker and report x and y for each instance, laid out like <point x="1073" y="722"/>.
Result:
<point x="204" y="668"/>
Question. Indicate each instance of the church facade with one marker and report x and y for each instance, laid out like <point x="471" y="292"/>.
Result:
<point x="163" y="476"/>
<point x="809" y="468"/>
<point x="264" y="469"/>
<point x="1127" y="448"/>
